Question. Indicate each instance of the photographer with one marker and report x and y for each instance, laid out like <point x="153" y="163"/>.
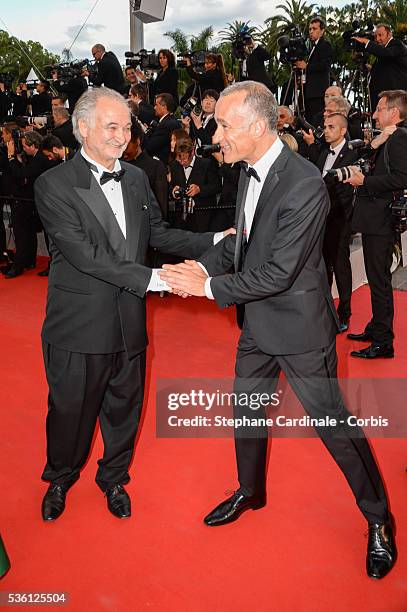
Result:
<point x="109" y="72"/>
<point x="41" y="103"/>
<point x="335" y="250"/>
<point x="167" y="78"/>
<point x="372" y="217"/>
<point x="202" y="127"/>
<point x="5" y="102"/>
<point x="73" y="87"/>
<point x="194" y="181"/>
<point x="317" y="69"/>
<point x="389" y="71"/>
<point x="253" y="68"/>
<point x="63" y="127"/>
<point x="22" y="172"/>
<point x="139" y="105"/>
<point x="131" y="78"/>
<point x="157" y="143"/>
<point x="214" y="76"/>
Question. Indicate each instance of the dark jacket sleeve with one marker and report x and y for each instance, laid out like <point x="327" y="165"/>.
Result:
<point x="396" y="179"/>
<point x="392" y="50"/>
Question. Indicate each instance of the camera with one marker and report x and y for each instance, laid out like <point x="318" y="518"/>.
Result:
<point x="186" y="204"/>
<point x="363" y="164"/>
<point x="146" y="60"/>
<point x="292" y="47"/>
<point x="17" y="135"/>
<point x="197" y="59"/>
<point x="358" y="30"/>
<point x="208" y="149"/>
<point x="189" y="107"/>
<point x="151" y="127"/>
<point x="317" y="132"/>
<point x="240" y="42"/>
<point x="399" y="212"/>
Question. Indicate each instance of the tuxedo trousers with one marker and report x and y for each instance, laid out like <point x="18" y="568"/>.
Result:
<point x="312" y="376"/>
<point x="85" y="388"/>
<point x="336" y="253"/>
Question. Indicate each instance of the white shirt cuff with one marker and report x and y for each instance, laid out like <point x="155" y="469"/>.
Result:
<point x="217" y="237"/>
<point x="208" y="290"/>
<point x="156" y="283"/>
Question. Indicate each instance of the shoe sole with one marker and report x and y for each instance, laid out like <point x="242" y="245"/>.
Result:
<point x="235" y="516"/>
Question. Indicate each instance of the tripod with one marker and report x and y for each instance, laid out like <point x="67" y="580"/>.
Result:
<point x="296" y="85"/>
<point x="359" y="86"/>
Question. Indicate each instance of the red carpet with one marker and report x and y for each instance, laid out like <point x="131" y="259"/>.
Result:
<point x="304" y="551"/>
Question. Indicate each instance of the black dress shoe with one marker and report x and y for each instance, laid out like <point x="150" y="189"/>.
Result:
<point x="363" y="337"/>
<point x="14" y="271"/>
<point x="385" y="351"/>
<point x="343" y="325"/>
<point x="230" y="510"/>
<point x="118" y="501"/>
<point x="53" y="503"/>
<point x="381" y="550"/>
<point x="43" y="272"/>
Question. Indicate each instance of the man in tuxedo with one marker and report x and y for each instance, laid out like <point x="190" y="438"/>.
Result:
<point x="372" y="217"/>
<point x="317" y="69"/>
<point x="63" y="127"/>
<point x="284" y="306"/>
<point x="389" y="71"/>
<point x="253" y="67"/>
<point x="158" y="143"/>
<point x="144" y="111"/>
<point x="100" y="216"/>
<point x="109" y="72"/>
<point x="338" y="229"/>
<point x="41" y="102"/>
<point x="73" y="87"/>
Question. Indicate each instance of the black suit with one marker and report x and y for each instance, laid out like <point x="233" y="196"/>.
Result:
<point x="211" y="79"/>
<point x="94" y="333"/>
<point x="157" y="176"/>
<point x="338" y="229"/>
<point x="65" y="134"/>
<point x="73" y="87"/>
<point x="205" y="174"/>
<point x="289" y="322"/>
<point x="159" y="142"/>
<point x="372" y="217"/>
<point x="146" y="112"/>
<point x="204" y="134"/>
<point x="40" y="104"/>
<point x="317" y="78"/>
<point x="256" y="70"/>
<point x="389" y="71"/>
<point x="109" y="73"/>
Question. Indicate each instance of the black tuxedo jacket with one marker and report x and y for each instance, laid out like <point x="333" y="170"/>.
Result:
<point x="40" y="104"/>
<point x="256" y="70"/>
<point x="318" y="70"/>
<point x="110" y="73"/>
<point x="340" y="195"/>
<point x="372" y="213"/>
<point x="205" y="174"/>
<point x="73" y="87"/>
<point x="389" y="71"/>
<point x="146" y="112"/>
<point x="157" y="176"/>
<point x="65" y="134"/>
<point x="98" y="279"/>
<point x="26" y="174"/>
<point x="204" y="133"/>
<point x="282" y="278"/>
<point x="159" y="142"/>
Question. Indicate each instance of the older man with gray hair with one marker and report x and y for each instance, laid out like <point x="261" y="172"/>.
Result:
<point x="100" y="215"/>
<point x="285" y="310"/>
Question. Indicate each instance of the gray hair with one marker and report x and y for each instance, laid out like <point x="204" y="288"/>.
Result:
<point x="86" y="106"/>
<point x="61" y="112"/>
<point x="259" y="101"/>
<point x="341" y="103"/>
<point x="32" y="138"/>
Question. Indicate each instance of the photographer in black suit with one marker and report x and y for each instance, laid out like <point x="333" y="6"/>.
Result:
<point x="253" y="67"/>
<point x="372" y="217"/>
<point x="335" y="249"/>
<point x="158" y="142"/>
<point x="72" y="87"/>
<point x="389" y="71"/>
<point x="167" y="78"/>
<point x="109" y="72"/>
<point x="63" y="127"/>
<point x="41" y="103"/>
<point x="317" y="69"/>
<point x="202" y="127"/>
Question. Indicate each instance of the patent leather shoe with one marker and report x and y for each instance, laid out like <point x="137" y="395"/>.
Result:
<point x="343" y="325"/>
<point x="230" y="510"/>
<point x="14" y="271"/>
<point x="53" y="503"/>
<point x="381" y="550"/>
<point x="374" y="351"/>
<point x="363" y="337"/>
<point x="118" y="501"/>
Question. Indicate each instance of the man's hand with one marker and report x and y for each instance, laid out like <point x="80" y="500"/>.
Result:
<point x="186" y="278"/>
<point x="11" y="150"/>
<point x="308" y="137"/>
<point x="301" y="64"/>
<point x="173" y="192"/>
<point x="186" y="122"/>
<point x="193" y="190"/>
<point x="357" y="178"/>
<point x="383" y="136"/>
<point x="361" y="40"/>
<point x="229" y="231"/>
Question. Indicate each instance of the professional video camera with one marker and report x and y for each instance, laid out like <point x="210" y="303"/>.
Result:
<point x="186" y="202"/>
<point x="197" y="59"/>
<point x="70" y="70"/>
<point x="317" y="132"/>
<point x="7" y="79"/>
<point x="358" y="30"/>
<point x="207" y="150"/>
<point x="399" y="212"/>
<point x="240" y="42"/>
<point x="146" y="60"/>
<point x="292" y="46"/>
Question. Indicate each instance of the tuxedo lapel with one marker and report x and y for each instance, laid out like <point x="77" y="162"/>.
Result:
<point x="133" y="210"/>
<point x="339" y="159"/>
<point x="244" y="184"/>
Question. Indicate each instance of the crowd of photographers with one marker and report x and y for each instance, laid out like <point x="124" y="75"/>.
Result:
<point x="171" y="141"/>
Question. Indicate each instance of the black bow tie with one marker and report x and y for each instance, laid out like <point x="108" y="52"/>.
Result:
<point x="331" y="151"/>
<point x="108" y="176"/>
<point x="251" y="172"/>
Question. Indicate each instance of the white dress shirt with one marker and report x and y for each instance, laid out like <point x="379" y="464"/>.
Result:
<point x="262" y="167"/>
<point x="331" y="157"/>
